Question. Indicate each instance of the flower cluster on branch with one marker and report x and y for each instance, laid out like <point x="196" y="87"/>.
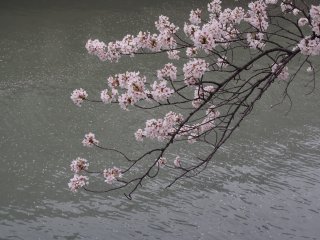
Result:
<point x="249" y="47"/>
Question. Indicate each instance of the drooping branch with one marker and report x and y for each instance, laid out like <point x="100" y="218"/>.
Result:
<point x="220" y="102"/>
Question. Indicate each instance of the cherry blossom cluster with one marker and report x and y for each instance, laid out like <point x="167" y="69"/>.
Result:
<point x="286" y="6"/>
<point x="194" y="70"/>
<point x="255" y="40"/>
<point x="258" y="18"/>
<point x="218" y="30"/>
<point x="95" y="47"/>
<point x="131" y="44"/>
<point x="309" y="46"/>
<point x="169" y="71"/>
<point x="132" y="85"/>
<point x="160" y="91"/>
<point x="78" y="181"/>
<point x="160" y="129"/>
<point x="207" y="36"/>
<point x="125" y="80"/>
<point x="89" y="140"/>
<point x="109" y="96"/>
<point x="78" y="96"/>
<point x="195" y="17"/>
<point x="164" y="26"/>
<point x="79" y="164"/>
<point x="214" y="7"/>
<point x="112" y="174"/>
<point x="191" y="51"/>
<point x="230" y="17"/>
<point x="173" y="54"/>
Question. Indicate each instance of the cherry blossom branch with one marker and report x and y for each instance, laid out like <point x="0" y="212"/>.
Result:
<point x="220" y="102"/>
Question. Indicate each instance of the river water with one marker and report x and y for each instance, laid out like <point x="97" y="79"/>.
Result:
<point x="263" y="184"/>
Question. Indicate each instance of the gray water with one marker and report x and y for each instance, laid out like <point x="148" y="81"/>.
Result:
<point x="263" y="184"/>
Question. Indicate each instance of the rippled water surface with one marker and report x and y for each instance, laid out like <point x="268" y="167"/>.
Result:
<point x="263" y="184"/>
